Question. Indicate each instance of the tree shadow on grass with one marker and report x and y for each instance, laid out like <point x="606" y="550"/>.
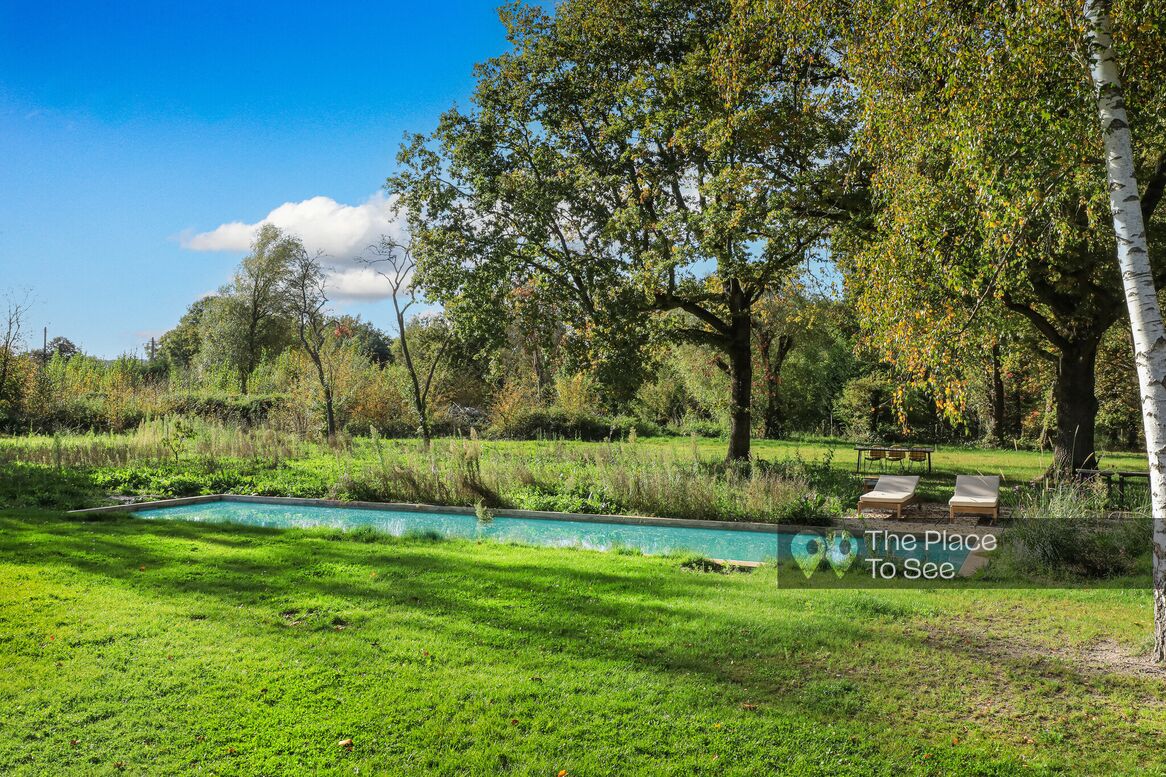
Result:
<point x="37" y="486"/>
<point x="642" y="614"/>
<point x="577" y="602"/>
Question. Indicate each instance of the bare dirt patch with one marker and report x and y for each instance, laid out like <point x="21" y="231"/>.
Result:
<point x="990" y="638"/>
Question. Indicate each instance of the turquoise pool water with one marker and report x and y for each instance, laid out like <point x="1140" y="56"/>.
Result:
<point x="731" y="544"/>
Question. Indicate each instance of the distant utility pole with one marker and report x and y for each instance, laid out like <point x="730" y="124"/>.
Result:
<point x="153" y="348"/>
<point x="46" y="345"/>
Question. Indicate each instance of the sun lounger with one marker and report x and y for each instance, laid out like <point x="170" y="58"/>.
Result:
<point x="977" y="494"/>
<point x="891" y="492"/>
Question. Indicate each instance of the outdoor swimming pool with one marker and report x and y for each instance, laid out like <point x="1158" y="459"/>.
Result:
<point x="654" y="539"/>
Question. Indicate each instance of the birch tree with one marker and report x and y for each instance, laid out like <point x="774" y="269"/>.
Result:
<point x="1141" y="295"/>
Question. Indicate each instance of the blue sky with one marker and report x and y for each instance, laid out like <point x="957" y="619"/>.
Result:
<point x="131" y="134"/>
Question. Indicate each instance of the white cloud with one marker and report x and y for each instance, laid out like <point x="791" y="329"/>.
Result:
<point x="357" y="283"/>
<point x="342" y="232"/>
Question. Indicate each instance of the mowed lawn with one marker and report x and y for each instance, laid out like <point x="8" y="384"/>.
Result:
<point x="947" y="460"/>
<point x="139" y="647"/>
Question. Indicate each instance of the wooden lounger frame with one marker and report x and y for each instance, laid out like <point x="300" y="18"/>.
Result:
<point x="990" y="510"/>
<point x="897" y="505"/>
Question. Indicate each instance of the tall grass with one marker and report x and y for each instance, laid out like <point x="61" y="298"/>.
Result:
<point x="161" y="458"/>
<point x="1067" y="530"/>
<point x="154" y="441"/>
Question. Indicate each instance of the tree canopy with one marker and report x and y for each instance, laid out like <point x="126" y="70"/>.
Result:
<point x="608" y="163"/>
<point x="990" y="189"/>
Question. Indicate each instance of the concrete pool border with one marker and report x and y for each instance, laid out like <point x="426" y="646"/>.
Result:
<point x="974" y="561"/>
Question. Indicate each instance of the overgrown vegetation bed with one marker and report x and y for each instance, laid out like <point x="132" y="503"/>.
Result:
<point x="149" y="647"/>
<point x="805" y="482"/>
<point x="183" y="459"/>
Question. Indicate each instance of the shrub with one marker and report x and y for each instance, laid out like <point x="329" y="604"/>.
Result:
<point x="247" y="411"/>
<point x="1064" y="531"/>
<point x="576" y="395"/>
<point x="548" y="423"/>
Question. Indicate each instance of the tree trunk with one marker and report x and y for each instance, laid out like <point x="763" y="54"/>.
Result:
<point x="325" y="388"/>
<point x="1017" y="410"/>
<point x="998" y="407"/>
<point x="772" y="362"/>
<point x="1076" y="404"/>
<point x="1133" y="257"/>
<point x="419" y="399"/>
<point x="330" y="413"/>
<point x="5" y="358"/>
<point x="740" y="355"/>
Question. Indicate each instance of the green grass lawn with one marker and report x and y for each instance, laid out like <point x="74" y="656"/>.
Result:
<point x="145" y="647"/>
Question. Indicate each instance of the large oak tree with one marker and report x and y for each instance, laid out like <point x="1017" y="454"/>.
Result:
<point x="632" y="159"/>
<point x="990" y="179"/>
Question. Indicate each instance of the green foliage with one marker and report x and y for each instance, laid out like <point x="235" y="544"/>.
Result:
<point x="633" y="184"/>
<point x="251" y="317"/>
<point x="1061" y="532"/>
<point x="988" y="174"/>
<point x="251" y="410"/>
<point x="180" y="345"/>
<point x="556" y="423"/>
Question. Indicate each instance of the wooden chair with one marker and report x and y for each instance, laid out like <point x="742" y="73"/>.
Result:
<point x="976" y="494"/>
<point x="879" y="455"/>
<point x="916" y="457"/>
<point x="896" y="456"/>
<point x="892" y="492"/>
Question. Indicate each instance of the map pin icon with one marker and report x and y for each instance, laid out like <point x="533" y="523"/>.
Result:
<point x="808" y="549"/>
<point x="842" y="552"/>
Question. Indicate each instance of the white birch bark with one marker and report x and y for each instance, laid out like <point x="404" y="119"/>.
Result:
<point x="1133" y="257"/>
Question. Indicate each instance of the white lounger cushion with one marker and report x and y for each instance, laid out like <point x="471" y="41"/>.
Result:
<point x="892" y="488"/>
<point x="976" y="491"/>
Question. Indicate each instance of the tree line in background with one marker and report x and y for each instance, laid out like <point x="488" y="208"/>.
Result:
<point x="735" y="218"/>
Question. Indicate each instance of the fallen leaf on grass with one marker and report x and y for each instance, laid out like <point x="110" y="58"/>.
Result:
<point x="345" y="743"/>
<point x="748" y="706"/>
